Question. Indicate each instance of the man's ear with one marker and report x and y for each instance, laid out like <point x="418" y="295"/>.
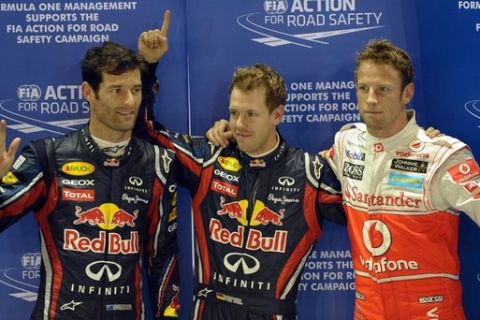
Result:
<point x="278" y="114"/>
<point x="87" y="90"/>
<point x="408" y="92"/>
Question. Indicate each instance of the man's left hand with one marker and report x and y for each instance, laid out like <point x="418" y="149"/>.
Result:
<point x="153" y="44"/>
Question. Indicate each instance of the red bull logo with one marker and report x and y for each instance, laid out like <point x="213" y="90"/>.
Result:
<point x="92" y="216"/>
<point x="235" y="210"/>
<point x="107" y="216"/>
<point x="122" y="218"/>
<point x="266" y="216"/>
<point x="261" y="214"/>
<point x="255" y="238"/>
<point x="111" y="243"/>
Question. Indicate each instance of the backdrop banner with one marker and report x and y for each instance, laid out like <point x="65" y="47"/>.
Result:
<point x="312" y="43"/>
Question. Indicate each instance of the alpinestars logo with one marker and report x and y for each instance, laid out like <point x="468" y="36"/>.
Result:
<point x="307" y="23"/>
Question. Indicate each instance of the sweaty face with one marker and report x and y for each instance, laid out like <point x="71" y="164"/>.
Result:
<point x="114" y="106"/>
<point x="381" y="100"/>
<point x="253" y="126"/>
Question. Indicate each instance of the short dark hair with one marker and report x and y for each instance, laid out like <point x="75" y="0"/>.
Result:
<point x="261" y="76"/>
<point x="384" y="51"/>
<point x="110" y="58"/>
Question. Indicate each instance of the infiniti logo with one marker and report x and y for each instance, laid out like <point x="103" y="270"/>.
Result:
<point x="478" y="277"/>
<point x="249" y="264"/>
<point x="97" y="269"/>
<point x="376" y="237"/>
<point x="135" y="181"/>
<point x="286" y="181"/>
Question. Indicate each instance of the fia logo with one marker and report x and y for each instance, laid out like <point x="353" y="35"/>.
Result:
<point x="275" y="6"/>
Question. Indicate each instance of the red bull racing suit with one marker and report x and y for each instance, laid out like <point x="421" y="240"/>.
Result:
<point x="97" y="217"/>
<point x="402" y="197"/>
<point x="256" y="221"/>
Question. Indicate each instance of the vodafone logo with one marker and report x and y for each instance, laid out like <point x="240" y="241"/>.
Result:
<point x="378" y="147"/>
<point x="464" y="168"/>
<point x="464" y="171"/>
<point x="376" y="237"/>
<point x="416" y="145"/>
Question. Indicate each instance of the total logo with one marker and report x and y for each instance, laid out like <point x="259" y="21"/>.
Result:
<point x="377" y="239"/>
<point x="307" y="23"/>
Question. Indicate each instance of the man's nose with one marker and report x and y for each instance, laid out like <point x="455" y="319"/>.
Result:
<point x="372" y="96"/>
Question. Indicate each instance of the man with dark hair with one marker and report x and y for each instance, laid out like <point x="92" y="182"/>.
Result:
<point x="104" y="201"/>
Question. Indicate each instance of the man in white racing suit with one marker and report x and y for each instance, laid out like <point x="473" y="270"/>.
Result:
<point x="402" y="193"/>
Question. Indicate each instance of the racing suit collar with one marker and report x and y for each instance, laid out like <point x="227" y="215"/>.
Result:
<point x="267" y="159"/>
<point x="96" y="153"/>
<point x="390" y="143"/>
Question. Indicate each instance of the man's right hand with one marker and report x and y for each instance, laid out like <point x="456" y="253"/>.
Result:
<point x="220" y="134"/>
<point x="6" y="157"/>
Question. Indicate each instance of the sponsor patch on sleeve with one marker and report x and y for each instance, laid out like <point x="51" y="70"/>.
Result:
<point x="18" y="163"/>
<point x="464" y="171"/>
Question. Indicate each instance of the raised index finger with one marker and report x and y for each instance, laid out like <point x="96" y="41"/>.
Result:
<point x="166" y="23"/>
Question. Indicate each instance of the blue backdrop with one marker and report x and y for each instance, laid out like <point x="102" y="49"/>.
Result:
<point x="311" y="42"/>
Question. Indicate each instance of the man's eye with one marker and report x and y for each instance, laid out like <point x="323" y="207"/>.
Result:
<point x="362" y="88"/>
<point x="384" y="89"/>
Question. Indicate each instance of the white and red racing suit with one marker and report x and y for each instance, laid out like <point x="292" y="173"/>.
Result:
<point x="97" y="217"/>
<point x="402" y="196"/>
